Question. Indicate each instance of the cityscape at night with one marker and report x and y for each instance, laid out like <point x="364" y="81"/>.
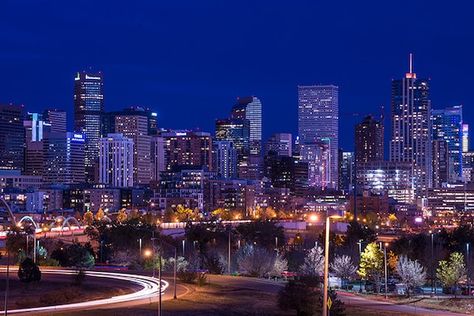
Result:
<point x="250" y="158"/>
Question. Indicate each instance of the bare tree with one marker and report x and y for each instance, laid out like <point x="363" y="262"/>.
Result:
<point x="313" y="262"/>
<point x="255" y="261"/>
<point x="343" y="268"/>
<point x="411" y="272"/>
<point x="280" y="265"/>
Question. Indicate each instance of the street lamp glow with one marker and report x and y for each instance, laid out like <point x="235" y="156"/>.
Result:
<point x="313" y="218"/>
<point x="147" y="253"/>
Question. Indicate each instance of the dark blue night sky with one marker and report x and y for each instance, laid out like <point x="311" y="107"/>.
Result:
<point x="190" y="59"/>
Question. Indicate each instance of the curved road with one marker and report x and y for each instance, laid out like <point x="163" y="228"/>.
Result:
<point x="349" y="299"/>
<point x="147" y="292"/>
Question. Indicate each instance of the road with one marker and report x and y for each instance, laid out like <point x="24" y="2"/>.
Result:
<point x="146" y="291"/>
<point x="349" y="299"/>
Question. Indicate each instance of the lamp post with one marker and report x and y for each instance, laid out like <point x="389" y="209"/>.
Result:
<point x="326" y="261"/>
<point x="386" y="270"/>
<point x="468" y="259"/>
<point x="432" y="264"/>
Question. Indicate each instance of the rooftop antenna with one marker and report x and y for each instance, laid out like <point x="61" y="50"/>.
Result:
<point x="411" y="63"/>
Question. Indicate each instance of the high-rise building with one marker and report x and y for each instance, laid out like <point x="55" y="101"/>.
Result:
<point x="280" y="143"/>
<point x="317" y="156"/>
<point x="250" y="108"/>
<point x="447" y="125"/>
<point x="346" y="171"/>
<point x="116" y="161"/>
<point x="187" y="148"/>
<point x="35" y="130"/>
<point x="411" y="134"/>
<point x="369" y="140"/>
<point x="441" y="166"/>
<point x="157" y="159"/>
<point x="224" y="159"/>
<point x="88" y="109"/>
<point x="12" y="137"/>
<point x="393" y="179"/>
<point x="465" y="138"/>
<point x="108" y="119"/>
<point x="135" y="126"/>
<point x="318" y="119"/>
<point x="64" y="158"/>
<point x="57" y="119"/>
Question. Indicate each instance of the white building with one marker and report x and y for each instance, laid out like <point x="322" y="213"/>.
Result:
<point x="116" y="161"/>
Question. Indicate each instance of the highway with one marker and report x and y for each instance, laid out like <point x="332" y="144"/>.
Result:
<point x="147" y="291"/>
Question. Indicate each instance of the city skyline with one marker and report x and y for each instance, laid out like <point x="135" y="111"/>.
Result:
<point x="165" y="79"/>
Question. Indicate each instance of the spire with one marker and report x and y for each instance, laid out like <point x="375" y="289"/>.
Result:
<point x="410" y="74"/>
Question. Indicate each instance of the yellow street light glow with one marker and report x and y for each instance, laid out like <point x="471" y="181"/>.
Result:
<point x="147" y="253"/>
<point x="313" y="218"/>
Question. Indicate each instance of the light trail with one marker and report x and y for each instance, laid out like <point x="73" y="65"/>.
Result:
<point x="150" y="288"/>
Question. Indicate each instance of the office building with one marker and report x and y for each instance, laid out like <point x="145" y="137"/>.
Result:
<point x="12" y="137"/>
<point x="393" y="179"/>
<point x="88" y="109"/>
<point x="57" y="119"/>
<point x="157" y="159"/>
<point x="135" y="127"/>
<point x="465" y="138"/>
<point x="187" y="148"/>
<point x="411" y="134"/>
<point x="250" y="108"/>
<point x="346" y="171"/>
<point x="116" y="161"/>
<point x="35" y="129"/>
<point x="108" y="119"/>
<point x="281" y="144"/>
<point x="318" y="119"/>
<point x="318" y="157"/>
<point x="441" y="166"/>
<point x="224" y="159"/>
<point x="369" y="140"/>
<point x="447" y="125"/>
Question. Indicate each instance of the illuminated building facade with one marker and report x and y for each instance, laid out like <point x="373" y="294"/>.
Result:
<point x="12" y="137"/>
<point x="411" y="133"/>
<point x="318" y="119"/>
<point x="116" y="161"/>
<point x="447" y="125"/>
<point x="394" y="179"/>
<point x="187" y="148"/>
<point x="88" y="109"/>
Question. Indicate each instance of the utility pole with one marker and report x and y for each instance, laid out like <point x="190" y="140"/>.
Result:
<point x="386" y="272"/>
<point x="7" y="285"/>
<point x="228" y="255"/>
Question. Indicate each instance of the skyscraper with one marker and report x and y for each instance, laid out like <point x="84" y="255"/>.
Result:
<point x="12" y="137"/>
<point x="447" y="125"/>
<point x="465" y="138"/>
<point x="116" y="161"/>
<point x="369" y="140"/>
<point x="189" y="149"/>
<point x="411" y="135"/>
<point x="57" y="119"/>
<point x="157" y="159"/>
<point x="224" y="158"/>
<point x="346" y="171"/>
<point x="250" y="108"/>
<point x="88" y="109"/>
<point x="318" y="119"/>
<point x="280" y="143"/>
<point x="35" y="130"/>
<point x="135" y="126"/>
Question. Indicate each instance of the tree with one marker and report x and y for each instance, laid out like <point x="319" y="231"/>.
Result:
<point x="280" y="265"/>
<point x="88" y="218"/>
<point x="343" y="267"/>
<point x="411" y="272"/>
<point x="100" y="214"/>
<point x="451" y="272"/>
<point x="263" y="233"/>
<point x="122" y="216"/>
<point x="255" y="261"/>
<point x="313" y="262"/>
<point x="371" y="264"/>
<point x="28" y="271"/>
<point x="305" y="297"/>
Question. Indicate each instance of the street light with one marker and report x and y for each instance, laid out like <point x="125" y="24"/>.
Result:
<point x="326" y="259"/>
<point x="386" y="272"/>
